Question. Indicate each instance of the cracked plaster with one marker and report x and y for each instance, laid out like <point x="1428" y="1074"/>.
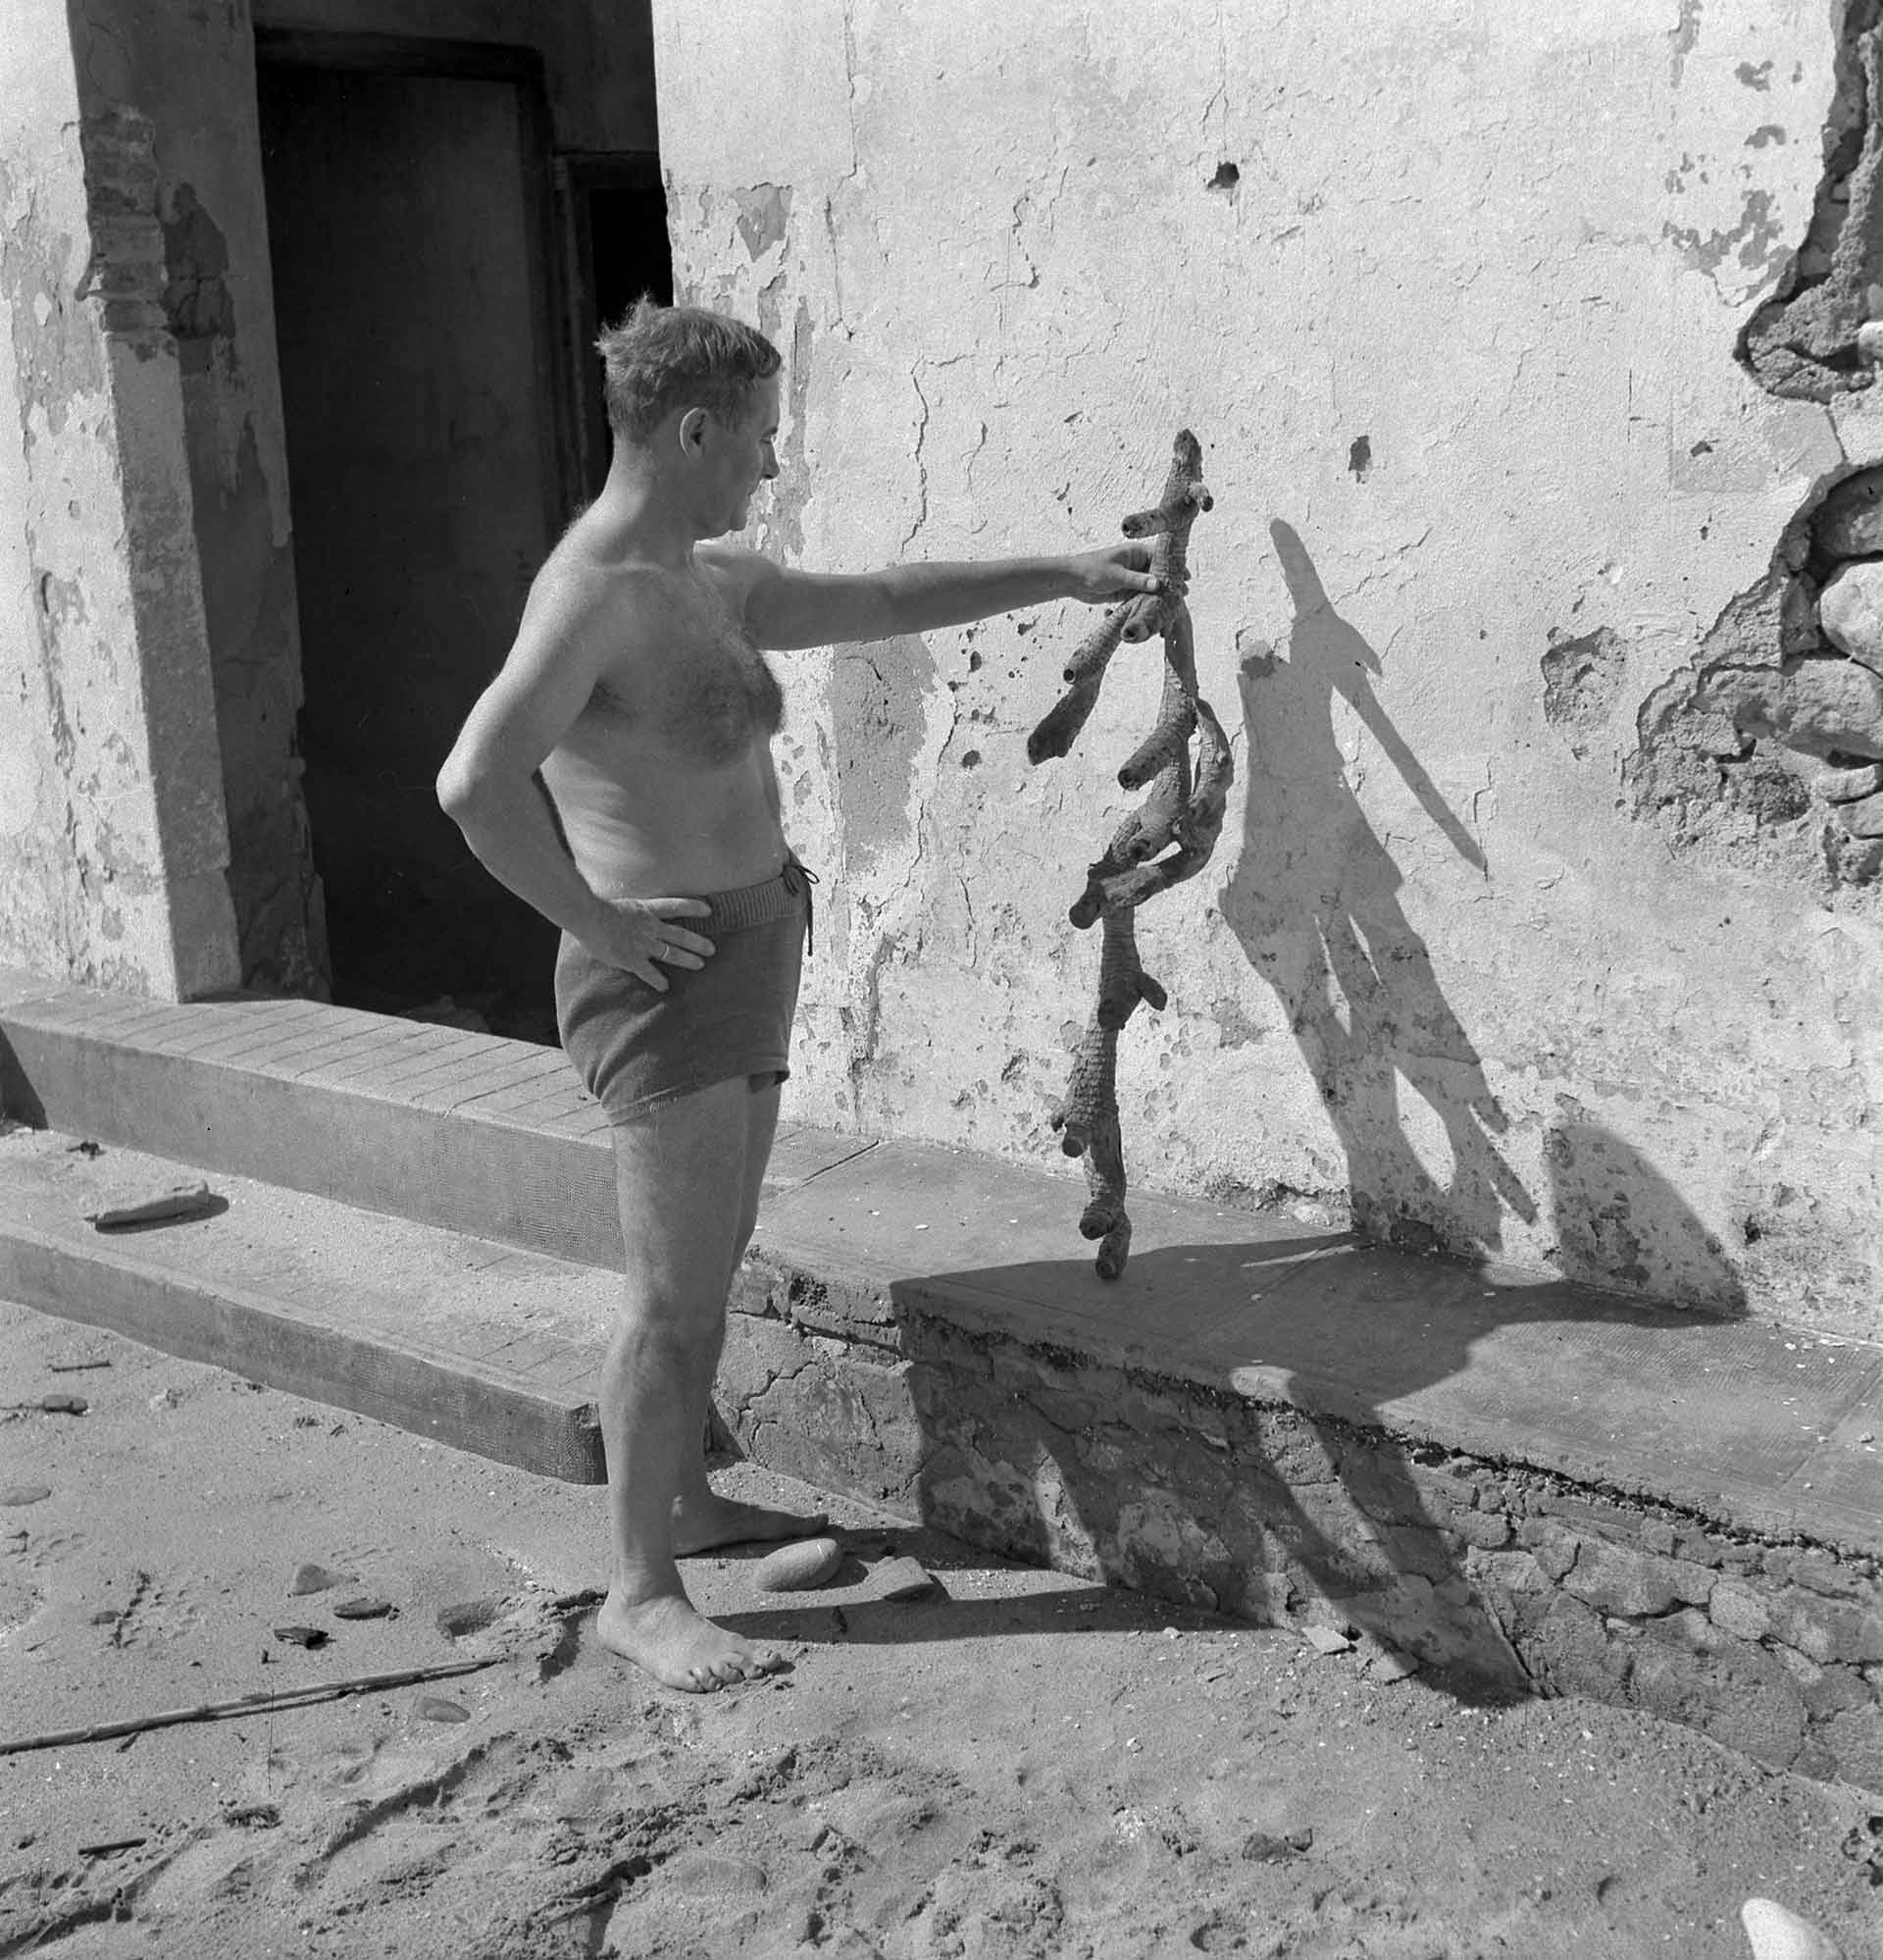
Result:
<point x="1524" y="291"/>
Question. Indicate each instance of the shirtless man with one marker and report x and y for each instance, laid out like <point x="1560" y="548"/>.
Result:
<point x="637" y="688"/>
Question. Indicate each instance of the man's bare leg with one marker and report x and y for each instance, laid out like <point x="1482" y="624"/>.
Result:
<point x="682" y="1180"/>
<point x="702" y="1518"/>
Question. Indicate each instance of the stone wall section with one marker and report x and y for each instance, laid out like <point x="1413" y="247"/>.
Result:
<point x="1504" y="1579"/>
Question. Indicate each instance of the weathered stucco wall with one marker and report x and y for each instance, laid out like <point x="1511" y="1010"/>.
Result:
<point x="113" y="838"/>
<point x="185" y="75"/>
<point x="1529" y="933"/>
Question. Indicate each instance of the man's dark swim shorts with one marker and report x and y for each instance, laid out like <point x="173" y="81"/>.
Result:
<point x="636" y="1048"/>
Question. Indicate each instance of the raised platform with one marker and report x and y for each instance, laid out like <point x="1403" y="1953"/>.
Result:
<point x="1532" y="1486"/>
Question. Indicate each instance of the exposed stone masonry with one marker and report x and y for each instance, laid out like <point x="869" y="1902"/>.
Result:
<point x="1805" y="341"/>
<point x="1509" y="1578"/>
<point x="1768" y="751"/>
<point x="1769" y="748"/>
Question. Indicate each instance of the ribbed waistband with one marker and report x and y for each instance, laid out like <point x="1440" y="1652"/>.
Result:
<point x="759" y="905"/>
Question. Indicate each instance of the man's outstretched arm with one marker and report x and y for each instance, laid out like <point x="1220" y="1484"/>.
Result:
<point x="787" y="609"/>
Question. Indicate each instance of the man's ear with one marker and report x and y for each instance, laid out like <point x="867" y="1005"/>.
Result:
<point x="692" y="431"/>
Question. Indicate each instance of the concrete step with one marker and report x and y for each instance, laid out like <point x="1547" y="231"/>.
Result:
<point x="483" y="1346"/>
<point x="462" y="1130"/>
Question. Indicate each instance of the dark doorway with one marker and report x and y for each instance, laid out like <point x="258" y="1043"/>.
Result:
<point x="429" y="470"/>
<point x="617" y="252"/>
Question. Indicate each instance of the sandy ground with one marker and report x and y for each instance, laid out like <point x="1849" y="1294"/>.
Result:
<point x="1020" y="1764"/>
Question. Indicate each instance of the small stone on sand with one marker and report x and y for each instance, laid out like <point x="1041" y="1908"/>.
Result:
<point x="179" y="1200"/>
<point x="363" y="1608"/>
<point x="313" y="1579"/>
<point x="1390" y="1665"/>
<point x="64" y="1405"/>
<point x="1777" y="1934"/>
<point x="900" y="1578"/>
<point x="1327" y="1639"/>
<point x="302" y="1636"/>
<point x="435" y="1707"/>
<point x="24" y="1493"/>
<point x="797" y="1567"/>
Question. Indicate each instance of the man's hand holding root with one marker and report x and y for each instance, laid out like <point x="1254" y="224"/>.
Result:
<point x="1120" y="571"/>
<point x="643" y="935"/>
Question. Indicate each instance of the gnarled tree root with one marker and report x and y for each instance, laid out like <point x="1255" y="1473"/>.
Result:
<point x="1167" y="839"/>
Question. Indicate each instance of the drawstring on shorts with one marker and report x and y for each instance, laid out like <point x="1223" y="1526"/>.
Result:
<point x="799" y="878"/>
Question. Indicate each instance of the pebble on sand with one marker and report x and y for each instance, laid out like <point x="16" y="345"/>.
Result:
<point x="435" y="1707"/>
<point x="302" y="1636"/>
<point x="179" y="1201"/>
<point x="24" y="1493"/>
<point x="64" y="1405"/>
<point x="1327" y="1639"/>
<point x="797" y="1567"/>
<point x="313" y="1579"/>
<point x="1778" y="1934"/>
<point x="363" y="1608"/>
<point x="901" y="1579"/>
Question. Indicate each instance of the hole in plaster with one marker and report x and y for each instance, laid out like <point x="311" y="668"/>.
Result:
<point x="972" y="759"/>
<point x="1226" y="179"/>
<point x="1360" y="457"/>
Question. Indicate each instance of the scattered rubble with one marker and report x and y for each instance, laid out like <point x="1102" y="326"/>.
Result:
<point x="364" y="1608"/>
<point x="900" y="1578"/>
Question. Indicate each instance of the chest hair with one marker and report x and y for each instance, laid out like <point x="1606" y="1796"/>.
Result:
<point x="711" y="697"/>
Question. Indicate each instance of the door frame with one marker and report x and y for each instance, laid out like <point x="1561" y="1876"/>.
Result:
<point x="578" y="175"/>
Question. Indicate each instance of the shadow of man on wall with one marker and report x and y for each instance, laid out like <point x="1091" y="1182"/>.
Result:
<point x="1315" y="901"/>
<point x="1282" y="1421"/>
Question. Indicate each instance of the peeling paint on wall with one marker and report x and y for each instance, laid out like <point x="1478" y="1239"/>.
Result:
<point x="123" y="881"/>
<point x="1802" y="342"/>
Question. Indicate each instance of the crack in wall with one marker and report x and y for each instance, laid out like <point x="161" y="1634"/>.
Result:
<point x="921" y="464"/>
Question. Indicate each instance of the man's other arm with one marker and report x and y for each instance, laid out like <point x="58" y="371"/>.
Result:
<point x="488" y="788"/>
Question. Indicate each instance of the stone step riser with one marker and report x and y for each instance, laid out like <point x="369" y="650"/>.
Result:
<point x="1507" y="1579"/>
<point x="491" y="1413"/>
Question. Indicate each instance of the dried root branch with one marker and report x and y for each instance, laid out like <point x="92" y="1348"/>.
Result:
<point x="1167" y="839"/>
<point x="1169" y="522"/>
<point x="1085" y="674"/>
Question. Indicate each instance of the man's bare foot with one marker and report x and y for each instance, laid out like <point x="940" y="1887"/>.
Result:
<point x="704" y="1521"/>
<point x="677" y="1647"/>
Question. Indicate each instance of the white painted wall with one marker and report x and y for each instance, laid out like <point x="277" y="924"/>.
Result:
<point x="113" y="842"/>
<point x="1437" y="961"/>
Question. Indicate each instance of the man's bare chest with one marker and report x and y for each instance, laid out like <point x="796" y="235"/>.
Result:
<point x="704" y="695"/>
